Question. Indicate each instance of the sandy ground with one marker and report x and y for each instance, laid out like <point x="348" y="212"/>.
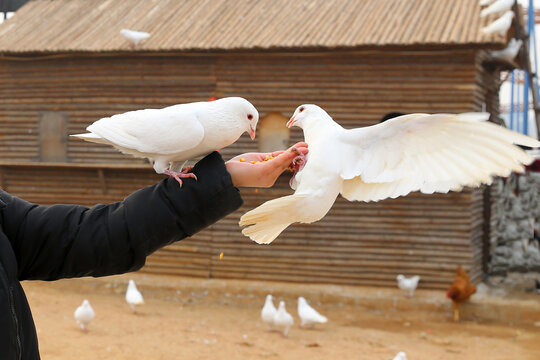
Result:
<point x="190" y="325"/>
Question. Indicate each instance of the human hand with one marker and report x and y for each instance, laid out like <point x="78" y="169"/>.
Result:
<point x="264" y="173"/>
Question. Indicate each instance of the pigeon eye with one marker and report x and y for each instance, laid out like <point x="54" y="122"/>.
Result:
<point x="301" y="109"/>
<point x="250" y="117"/>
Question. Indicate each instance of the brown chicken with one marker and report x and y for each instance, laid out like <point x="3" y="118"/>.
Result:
<point x="460" y="290"/>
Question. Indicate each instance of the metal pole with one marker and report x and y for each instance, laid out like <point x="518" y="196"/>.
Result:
<point x="526" y="61"/>
<point x="512" y="100"/>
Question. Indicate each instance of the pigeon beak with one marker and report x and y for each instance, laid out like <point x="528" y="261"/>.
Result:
<point x="251" y="133"/>
<point x="291" y="122"/>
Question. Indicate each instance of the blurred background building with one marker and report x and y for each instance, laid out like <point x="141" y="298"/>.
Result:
<point x="63" y="65"/>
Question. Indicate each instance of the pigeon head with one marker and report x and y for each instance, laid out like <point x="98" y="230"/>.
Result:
<point x="269" y="297"/>
<point x="307" y="115"/>
<point x="301" y="300"/>
<point x="85" y="303"/>
<point x="400" y="277"/>
<point x="281" y="305"/>
<point x="243" y="110"/>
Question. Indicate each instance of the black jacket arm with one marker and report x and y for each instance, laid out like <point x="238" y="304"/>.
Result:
<point x="62" y="241"/>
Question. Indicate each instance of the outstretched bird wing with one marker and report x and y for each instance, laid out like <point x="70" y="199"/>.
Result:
<point x="428" y="153"/>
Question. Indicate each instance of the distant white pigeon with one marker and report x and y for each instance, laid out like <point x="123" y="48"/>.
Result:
<point x="416" y="152"/>
<point x="308" y="315"/>
<point x="501" y="25"/>
<point x="133" y="296"/>
<point x="134" y="36"/>
<point x="268" y="312"/>
<point x="408" y="284"/>
<point x="172" y="135"/>
<point x="497" y="7"/>
<point x="510" y="52"/>
<point x="283" y="320"/>
<point x="84" y="314"/>
<point x="400" y="356"/>
<point x="486" y="2"/>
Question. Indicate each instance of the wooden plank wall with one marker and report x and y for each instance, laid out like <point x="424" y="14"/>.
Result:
<point x="356" y="243"/>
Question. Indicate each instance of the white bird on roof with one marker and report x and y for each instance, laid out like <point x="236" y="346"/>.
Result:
<point x="408" y="284"/>
<point x="486" y="2"/>
<point x="133" y="296"/>
<point x="501" y="25"/>
<point x="416" y="152"/>
<point x="134" y="36"/>
<point x="84" y="314"/>
<point x="497" y="7"/>
<point x="308" y="315"/>
<point x="172" y="135"/>
<point x="283" y="320"/>
<point x="400" y="356"/>
<point x="268" y="312"/>
<point x="510" y="52"/>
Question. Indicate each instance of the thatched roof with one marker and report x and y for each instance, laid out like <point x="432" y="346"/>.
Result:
<point x="220" y="25"/>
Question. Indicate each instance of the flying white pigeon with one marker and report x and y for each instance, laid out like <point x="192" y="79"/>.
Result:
<point x="84" y="314"/>
<point x="415" y="152"/>
<point x="497" y="7"/>
<point x="501" y="25"/>
<point x="408" y="284"/>
<point x="283" y="320"/>
<point x="510" y="52"/>
<point x="172" y="135"/>
<point x="486" y="2"/>
<point x="400" y="356"/>
<point x="308" y="315"/>
<point x="134" y="36"/>
<point x="133" y="296"/>
<point x="268" y="312"/>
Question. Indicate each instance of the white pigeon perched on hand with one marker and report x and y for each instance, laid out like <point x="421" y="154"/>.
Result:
<point x="283" y="320"/>
<point x="133" y="296"/>
<point x="172" y="135"/>
<point x="400" y="356"/>
<point x="501" y="25"/>
<point x="308" y="315"/>
<point x="84" y="314"/>
<point x="510" y="52"/>
<point x="268" y="312"/>
<point x="134" y="36"/>
<point x="408" y="284"/>
<point x="416" y="152"/>
<point x="497" y="7"/>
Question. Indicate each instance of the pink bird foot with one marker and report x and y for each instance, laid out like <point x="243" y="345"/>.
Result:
<point x="178" y="176"/>
<point x="297" y="164"/>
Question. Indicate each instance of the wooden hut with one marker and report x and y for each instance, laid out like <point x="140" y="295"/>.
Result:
<point x="63" y="65"/>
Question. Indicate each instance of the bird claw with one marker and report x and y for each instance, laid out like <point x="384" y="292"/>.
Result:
<point x="297" y="164"/>
<point x="178" y="176"/>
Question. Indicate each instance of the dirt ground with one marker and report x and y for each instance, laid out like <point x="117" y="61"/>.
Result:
<point x="202" y="325"/>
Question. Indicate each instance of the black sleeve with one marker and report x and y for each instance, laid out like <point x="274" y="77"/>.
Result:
<point x="62" y="241"/>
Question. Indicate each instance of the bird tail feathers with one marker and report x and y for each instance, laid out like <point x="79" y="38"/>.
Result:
<point x="91" y="137"/>
<point x="267" y="221"/>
